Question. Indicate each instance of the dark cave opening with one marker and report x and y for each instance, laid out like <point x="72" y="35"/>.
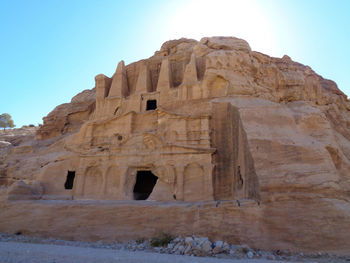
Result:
<point x="70" y="180"/>
<point x="145" y="182"/>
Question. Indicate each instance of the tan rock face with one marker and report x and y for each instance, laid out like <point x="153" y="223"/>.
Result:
<point x="226" y="43"/>
<point x="68" y="117"/>
<point x="201" y="121"/>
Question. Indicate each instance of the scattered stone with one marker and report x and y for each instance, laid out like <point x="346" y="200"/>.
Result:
<point x="232" y="251"/>
<point x="226" y="247"/>
<point x="219" y="244"/>
<point x="181" y="249"/>
<point x="244" y="249"/>
<point x="250" y="254"/>
<point x="202" y="248"/>
<point x="189" y="241"/>
<point x="170" y="246"/>
<point x="206" y="246"/>
<point x="187" y="249"/>
<point x="177" y="239"/>
<point x="217" y="250"/>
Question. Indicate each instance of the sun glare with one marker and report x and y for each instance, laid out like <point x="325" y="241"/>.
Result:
<point x="240" y="18"/>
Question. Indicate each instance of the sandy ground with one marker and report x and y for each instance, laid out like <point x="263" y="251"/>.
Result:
<point x="16" y="252"/>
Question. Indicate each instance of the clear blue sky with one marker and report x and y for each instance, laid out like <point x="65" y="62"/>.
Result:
<point x="51" y="50"/>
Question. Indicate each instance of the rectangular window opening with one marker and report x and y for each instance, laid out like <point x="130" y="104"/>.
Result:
<point x="151" y="105"/>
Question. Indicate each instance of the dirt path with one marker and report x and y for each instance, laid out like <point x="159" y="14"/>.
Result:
<point x="16" y="252"/>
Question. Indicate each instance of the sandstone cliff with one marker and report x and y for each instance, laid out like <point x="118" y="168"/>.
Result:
<point x="265" y="129"/>
<point x="297" y="123"/>
<point x="69" y="116"/>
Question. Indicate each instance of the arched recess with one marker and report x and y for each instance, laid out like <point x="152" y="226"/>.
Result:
<point x="164" y="189"/>
<point x="112" y="182"/>
<point x="193" y="182"/>
<point x="93" y="183"/>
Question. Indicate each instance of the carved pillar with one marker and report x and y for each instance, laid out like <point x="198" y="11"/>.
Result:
<point x="79" y="184"/>
<point x="205" y="132"/>
<point x="208" y="182"/>
<point x="179" y="191"/>
<point x="124" y="172"/>
<point x="104" y="170"/>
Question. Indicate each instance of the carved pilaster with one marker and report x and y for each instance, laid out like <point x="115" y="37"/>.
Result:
<point x="179" y="189"/>
<point x="104" y="170"/>
<point x="124" y="172"/>
<point x="79" y="182"/>
<point x="208" y="182"/>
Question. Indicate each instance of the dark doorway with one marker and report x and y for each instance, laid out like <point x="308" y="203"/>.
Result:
<point x="70" y="180"/>
<point x="151" y="105"/>
<point x="145" y="182"/>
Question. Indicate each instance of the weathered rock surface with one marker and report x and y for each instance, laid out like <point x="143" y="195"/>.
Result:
<point x="206" y="121"/>
<point x="68" y="117"/>
<point x="19" y="190"/>
<point x="16" y="248"/>
<point x="299" y="225"/>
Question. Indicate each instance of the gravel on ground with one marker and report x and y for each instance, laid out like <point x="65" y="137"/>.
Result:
<point x="16" y="248"/>
<point x="16" y="252"/>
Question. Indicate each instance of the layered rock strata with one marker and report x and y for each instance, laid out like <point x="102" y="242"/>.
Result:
<point x="201" y="121"/>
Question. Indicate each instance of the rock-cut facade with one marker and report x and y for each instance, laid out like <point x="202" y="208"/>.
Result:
<point x="200" y="122"/>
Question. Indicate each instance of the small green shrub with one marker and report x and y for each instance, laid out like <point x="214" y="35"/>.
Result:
<point x="163" y="240"/>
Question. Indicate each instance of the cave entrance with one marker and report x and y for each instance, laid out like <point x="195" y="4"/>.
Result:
<point x="70" y="180"/>
<point x="145" y="182"/>
<point x="151" y="105"/>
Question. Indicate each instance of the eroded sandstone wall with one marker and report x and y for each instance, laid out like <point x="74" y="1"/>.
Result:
<point x="229" y="124"/>
<point x="298" y="225"/>
<point x="234" y="174"/>
<point x="67" y="117"/>
<point x="293" y="125"/>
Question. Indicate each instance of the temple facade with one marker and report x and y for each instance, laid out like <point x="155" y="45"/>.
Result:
<point x="154" y="138"/>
